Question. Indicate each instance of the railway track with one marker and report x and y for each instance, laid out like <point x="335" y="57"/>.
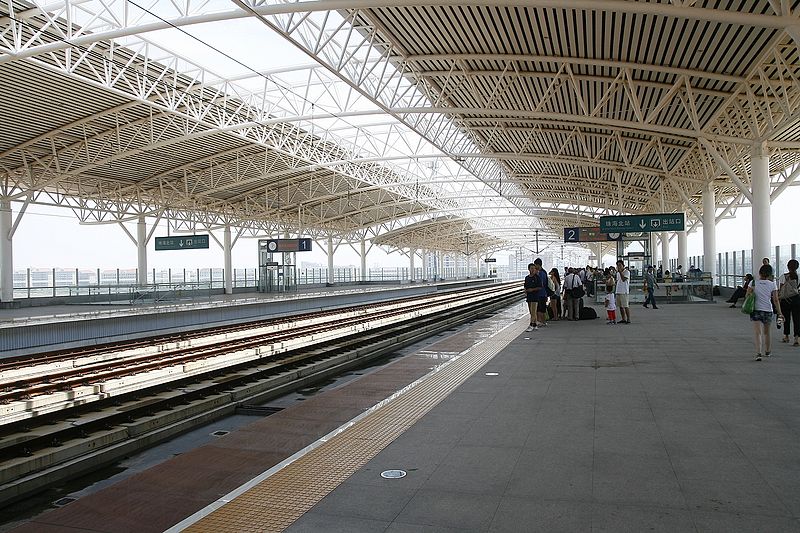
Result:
<point x="68" y="413"/>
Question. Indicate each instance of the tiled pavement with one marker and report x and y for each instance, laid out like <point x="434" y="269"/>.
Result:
<point x="666" y="424"/>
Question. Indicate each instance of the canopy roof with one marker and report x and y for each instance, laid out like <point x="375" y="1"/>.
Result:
<point x="422" y="122"/>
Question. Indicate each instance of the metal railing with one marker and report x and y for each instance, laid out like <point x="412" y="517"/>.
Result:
<point x="121" y="284"/>
<point x="732" y="266"/>
<point x="691" y="290"/>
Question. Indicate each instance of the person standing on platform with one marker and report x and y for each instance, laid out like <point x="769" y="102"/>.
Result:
<point x="765" y="261"/>
<point x="790" y="301"/>
<point x="555" y="298"/>
<point x="572" y="281"/>
<point x="542" y="295"/>
<point x="533" y="285"/>
<point x="611" y="301"/>
<point x="668" y="286"/>
<point x="766" y="295"/>
<point x="588" y="283"/>
<point x="622" y="289"/>
<point x="652" y="285"/>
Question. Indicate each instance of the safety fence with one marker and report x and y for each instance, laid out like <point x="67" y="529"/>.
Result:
<point x="122" y="284"/>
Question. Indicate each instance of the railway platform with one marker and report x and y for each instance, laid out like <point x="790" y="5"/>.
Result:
<point x="35" y="329"/>
<point x="666" y="424"/>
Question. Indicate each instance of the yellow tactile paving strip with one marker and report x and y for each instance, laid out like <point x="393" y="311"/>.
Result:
<point x="277" y="501"/>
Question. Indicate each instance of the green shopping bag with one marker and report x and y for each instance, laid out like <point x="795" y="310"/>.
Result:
<point x="749" y="304"/>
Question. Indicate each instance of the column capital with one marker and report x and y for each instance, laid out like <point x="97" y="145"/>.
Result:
<point x="759" y="149"/>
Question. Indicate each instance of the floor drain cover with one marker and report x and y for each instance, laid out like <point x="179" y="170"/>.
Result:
<point x="220" y="433"/>
<point x="393" y="474"/>
<point x="63" y="501"/>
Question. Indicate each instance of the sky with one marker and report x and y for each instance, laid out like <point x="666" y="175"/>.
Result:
<point x="51" y="237"/>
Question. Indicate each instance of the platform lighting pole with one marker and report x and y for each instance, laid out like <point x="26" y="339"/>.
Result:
<point x="363" y="260"/>
<point x="226" y="249"/>
<point x="710" y="231"/>
<point x="6" y="257"/>
<point x="330" y="260"/>
<point x="759" y="183"/>
<point x="141" y="250"/>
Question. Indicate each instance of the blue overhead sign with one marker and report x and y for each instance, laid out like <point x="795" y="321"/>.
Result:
<point x="643" y="223"/>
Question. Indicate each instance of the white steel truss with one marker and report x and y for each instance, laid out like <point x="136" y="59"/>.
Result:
<point x="400" y="123"/>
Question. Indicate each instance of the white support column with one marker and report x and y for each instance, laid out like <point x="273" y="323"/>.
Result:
<point x="710" y="231"/>
<point x="664" y="251"/>
<point x="599" y="253"/>
<point x="425" y="268"/>
<point x="759" y="181"/>
<point x="477" y="265"/>
<point x="141" y="250"/>
<point x="330" y="260"/>
<point x="653" y="249"/>
<point x="683" y="250"/>
<point x="226" y="251"/>
<point x="363" y="256"/>
<point x="6" y="255"/>
<point x="411" y="255"/>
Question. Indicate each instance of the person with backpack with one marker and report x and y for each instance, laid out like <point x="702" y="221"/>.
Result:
<point x="573" y="292"/>
<point x="790" y="302"/>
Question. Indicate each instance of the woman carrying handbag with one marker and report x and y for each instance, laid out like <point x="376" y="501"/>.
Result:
<point x="762" y="294"/>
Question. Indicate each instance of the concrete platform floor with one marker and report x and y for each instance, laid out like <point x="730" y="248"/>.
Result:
<point x="666" y="424"/>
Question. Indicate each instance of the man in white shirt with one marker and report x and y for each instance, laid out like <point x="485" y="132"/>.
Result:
<point x="622" y="290"/>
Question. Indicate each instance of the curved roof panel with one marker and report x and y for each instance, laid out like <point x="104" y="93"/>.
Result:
<point x="507" y="116"/>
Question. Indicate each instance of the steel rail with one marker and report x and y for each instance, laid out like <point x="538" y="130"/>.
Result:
<point x="75" y="442"/>
<point x="27" y="388"/>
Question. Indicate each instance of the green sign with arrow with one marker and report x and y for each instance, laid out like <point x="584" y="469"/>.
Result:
<point x="644" y="223"/>
<point x="187" y="242"/>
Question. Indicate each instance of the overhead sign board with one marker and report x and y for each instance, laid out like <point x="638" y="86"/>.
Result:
<point x="589" y="235"/>
<point x="186" y="242"/>
<point x="643" y="223"/>
<point x="286" y="245"/>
